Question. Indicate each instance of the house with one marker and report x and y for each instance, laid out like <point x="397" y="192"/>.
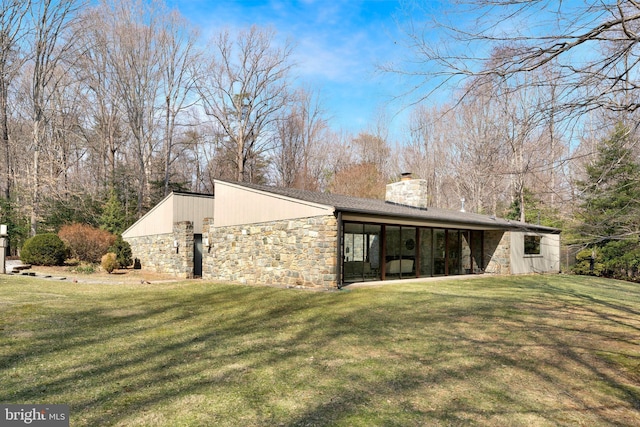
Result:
<point x="268" y="235"/>
<point x="176" y="220"/>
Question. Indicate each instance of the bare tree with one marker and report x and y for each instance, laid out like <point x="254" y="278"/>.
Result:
<point x="478" y="153"/>
<point x="104" y="124"/>
<point x="592" y="45"/>
<point x="134" y="27"/>
<point x="299" y="135"/>
<point x="50" y="19"/>
<point x="426" y="153"/>
<point x="245" y="87"/>
<point x="180" y="63"/>
<point x="12" y="30"/>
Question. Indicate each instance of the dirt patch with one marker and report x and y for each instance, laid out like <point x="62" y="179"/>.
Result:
<point x="100" y="276"/>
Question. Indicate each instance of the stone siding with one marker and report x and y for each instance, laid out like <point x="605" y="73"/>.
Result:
<point x="410" y="192"/>
<point x="295" y="253"/>
<point x="158" y="253"/>
<point x="497" y="252"/>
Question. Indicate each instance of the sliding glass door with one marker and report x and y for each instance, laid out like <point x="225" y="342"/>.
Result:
<point x="361" y="252"/>
<point x="400" y="255"/>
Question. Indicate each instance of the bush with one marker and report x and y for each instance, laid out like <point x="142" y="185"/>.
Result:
<point x="109" y="262"/>
<point x="84" y="268"/>
<point x="44" y="249"/>
<point x="122" y="249"/>
<point x="86" y="243"/>
<point x="588" y="265"/>
<point x="622" y="259"/>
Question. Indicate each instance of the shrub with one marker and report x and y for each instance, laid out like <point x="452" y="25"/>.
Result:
<point x="621" y="259"/>
<point x="122" y="249"/>
<point x="84" y="268"/>
<point x="86" y="243"/>
<point x="109" y="262"/>
<point x="44" y="249"/>
<point x="588" y="265"/>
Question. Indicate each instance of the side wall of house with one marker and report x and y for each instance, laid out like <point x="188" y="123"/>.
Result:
<point x="158" y="252"/>
<point x="547" y="261"/>
<point x="296" y="253"/>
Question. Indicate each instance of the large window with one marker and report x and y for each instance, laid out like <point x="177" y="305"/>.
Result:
<point x="532" y="245"/>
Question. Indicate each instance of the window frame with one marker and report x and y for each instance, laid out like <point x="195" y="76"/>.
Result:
<point x="532" y="245"/>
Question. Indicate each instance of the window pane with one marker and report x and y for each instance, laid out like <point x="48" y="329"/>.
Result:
<point x="465" y="242"/>
<point x="532" y="245"/>
<point x="426" y="252"/>
<point x="454" y="251"/>
<point x="476" y="246"/>
<point x="408" y="250"/>
<point x="438" y="251"/>
<point x="394" y="251"/>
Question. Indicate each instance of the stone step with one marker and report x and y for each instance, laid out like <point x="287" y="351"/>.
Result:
<point x="18" y="268"/>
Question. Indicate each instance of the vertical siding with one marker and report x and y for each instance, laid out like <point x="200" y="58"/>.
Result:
<point x="547" y="262"/>
<point x="176" y="207"/>
<point x="240" y="205"/>
<point x="194" y="208"/>
<point x="158" y="220"/>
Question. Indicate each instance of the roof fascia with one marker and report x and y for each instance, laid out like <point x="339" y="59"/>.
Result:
<point x="476" y="225"/>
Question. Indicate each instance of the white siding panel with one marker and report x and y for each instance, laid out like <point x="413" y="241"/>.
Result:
<point x="240" y="205"/>
<point x="176" y="207"/>
<point x="157" y="221"/>
<point x="547" y="262"/>
<point x="194" y="208"/>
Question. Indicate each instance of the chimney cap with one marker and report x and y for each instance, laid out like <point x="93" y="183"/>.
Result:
<point x="406" y="176"/>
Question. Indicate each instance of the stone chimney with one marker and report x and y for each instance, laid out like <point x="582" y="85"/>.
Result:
<point x="408" y="191"/>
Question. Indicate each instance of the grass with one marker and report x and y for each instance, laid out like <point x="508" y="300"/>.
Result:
<point x="517" y="351"/>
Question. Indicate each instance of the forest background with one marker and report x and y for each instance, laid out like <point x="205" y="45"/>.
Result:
<point x="526" y="111"/>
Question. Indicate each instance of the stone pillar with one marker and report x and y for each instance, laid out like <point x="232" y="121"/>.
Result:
<point x="183" y="238"/>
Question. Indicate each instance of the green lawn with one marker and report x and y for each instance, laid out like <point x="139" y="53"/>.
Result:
<point x="518" y="351"/>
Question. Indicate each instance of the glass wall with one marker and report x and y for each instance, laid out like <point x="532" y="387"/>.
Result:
<point x="380" y="252"/>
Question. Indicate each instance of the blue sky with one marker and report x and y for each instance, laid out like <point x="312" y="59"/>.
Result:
<point x="338" y="44"/>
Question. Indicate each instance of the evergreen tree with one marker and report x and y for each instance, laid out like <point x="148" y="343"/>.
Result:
<point x="535" y="209"/>
<point x="609" y="220"/>
<point x="114" y="217"/>
<point x="610" y="208"/>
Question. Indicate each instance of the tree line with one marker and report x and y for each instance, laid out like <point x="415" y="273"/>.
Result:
<point x="106" y="107"/>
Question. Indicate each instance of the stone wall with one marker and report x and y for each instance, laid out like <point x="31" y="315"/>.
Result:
<point x="296" y="253"/>
<point x="158" y="253"/>
<point x="497" y="252"/>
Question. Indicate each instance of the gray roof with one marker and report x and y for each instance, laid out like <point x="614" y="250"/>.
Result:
<point x="381" y="208"/>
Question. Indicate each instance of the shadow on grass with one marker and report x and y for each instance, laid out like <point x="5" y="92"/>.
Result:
<point x="515" y="352"/>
